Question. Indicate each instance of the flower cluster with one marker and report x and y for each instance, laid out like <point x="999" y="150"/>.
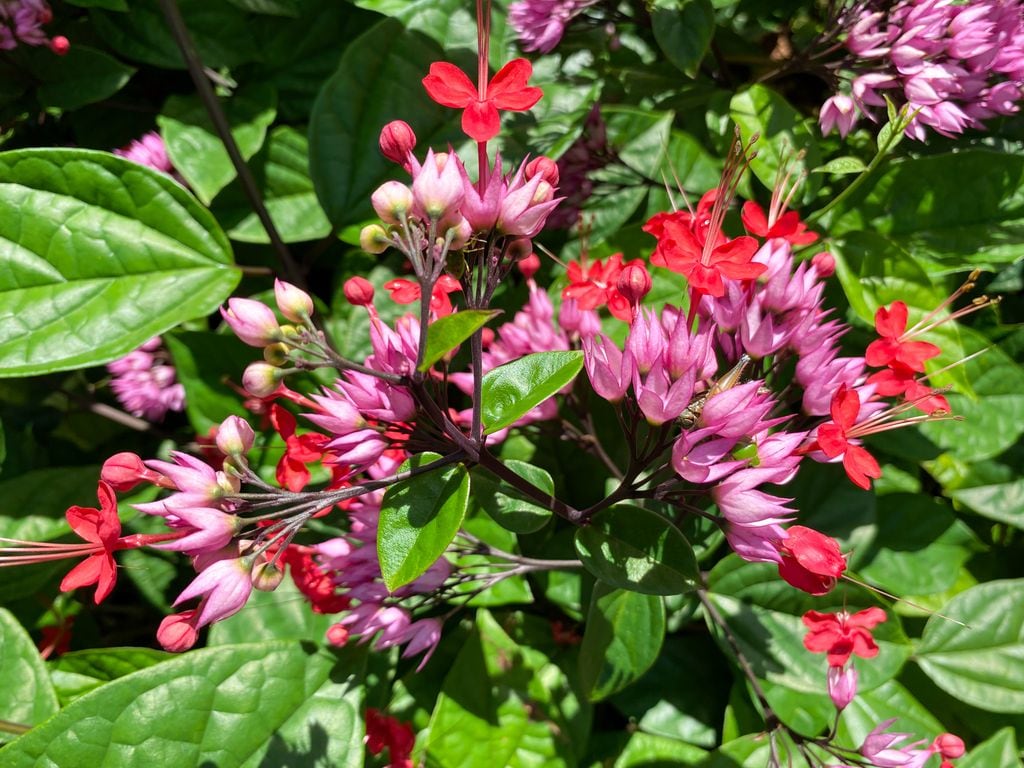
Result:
<point x="149" y="150"/>
<point x="145" y="382"/>
<point x="540" y="24"/>
<point x="22" y="22"/>
<point x="953" y="65"/>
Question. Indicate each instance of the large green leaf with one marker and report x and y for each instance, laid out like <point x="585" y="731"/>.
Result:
<point x="503" y="704"/>
<point x="195" y="148"/>
<point x="633" y="548"/>
<point x="111" y="254"/>
<point x="238" y="705"/>
<point x="1001" y="750"/>
<point x="283" y="614"/>
<point x="645" y="750"/>
<point x="965" y="207"/>
<point x="80" y="77"/>
<point x="511" y="390"/>
<point x="419" y="517"/>
<point x="76" y="673"/>
<point x="684" y="32"/>
<point x="281" y="170"/>
<point x="510" y="507"/>
<point x="446" y="333"/>
<point x="378" y="80"/>
<point x="982" y="663"/>
<point x="28" y="697"/>
<point x="623" y="638"/>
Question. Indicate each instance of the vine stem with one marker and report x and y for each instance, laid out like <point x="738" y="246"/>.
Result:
<point x="181" y="35"/>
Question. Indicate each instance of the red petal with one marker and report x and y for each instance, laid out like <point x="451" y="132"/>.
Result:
<point x="881" y="352"/>
<point x="840" y="652"/>
<point x="738" y="251"/>
<point x="845" y="407"/>
<point x="508" y="88"/>
<point x="706" y="280"/>
<point x="85" y="521"/>
<point x="860" y="465"/>
<point x="831" y="440"/>
<point x="619" y="306"/>
<point x="587" y="295"/>
<point x="449" y="86"/>
<point x="868" y="618"/>
<point x="801" y="578"/>
<point x="754" y="219"/>
<point x="292" y="474"/>
<point x="403" y="291"/>
<point x="282" y="420"/>
<point x="480" y="121"/>
<point x="447" y="284"/>
<point x="87" y="572"/>
<point x="912" y="354"/>
<point x="892" y="322"/>
<point x="818" y="553"/>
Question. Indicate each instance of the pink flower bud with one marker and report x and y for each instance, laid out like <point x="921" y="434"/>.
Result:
<point x="842" y="686"/>
<point x="261" y="379"/>
<point x="461" y="232"/>
<point x="358" y="291"/>
<point x="392" y="201"/>
<point x="294" y="303"/>
<point x="544" y="167"/>
<point x="123" y="471"/>
<point x="529" y="265"/>
<point x="397" y="140"/>
<point x="373" y="238"/>
<point x="437" y="186"/>
<point x="234" y="436"/>
<point x="266" y="577"/>
<point x="337" y="635"/>
<point x="949" y="746"/>
<point x="825" y="263"/>
<point x="177" y="633"/>
<point x="60" y="45"/>
<point x="839" y="112"/>
<point x="252" y="321"/>
<point x="634" y="283"/>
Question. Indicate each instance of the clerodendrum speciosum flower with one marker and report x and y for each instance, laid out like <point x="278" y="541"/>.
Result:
<point x="507" y="90"/>
<point x="842" y="634"/>
<point x="811" y="561"/>
<point x="834" y="439"/>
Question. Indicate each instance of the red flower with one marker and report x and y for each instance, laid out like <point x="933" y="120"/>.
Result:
<point x="894" y="381"/>
<point x="387" y="732"/>
<point x="448" y="85"/>
<point x="833" y="439"/>
<point x="299" y="451"/>
<point x="811" y="561"/>
<point x="841" y="635"/>
<point x="407" y="291"/>
<point x="788" y="226"/>
<point x="704" y="264"/>
<point x="698" y="223"/>
<point x="893" y="349"/>
<point x="597" y="285"/>
<point x="102" y="528"/>
<point x="312" y="581"/>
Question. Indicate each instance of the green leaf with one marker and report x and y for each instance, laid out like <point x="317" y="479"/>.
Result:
<point x="238" y="705"/>
<point x="841" y="166"/>
<point x="76" y="673"/>
<point x="195" y="148"/>
<point x="980" y="663"/>
<point x="446" y="333"/>
<point x="684" y="33"/>
<point x="111" y="254"/>
<point x="82" y="76"/>
<point x="288" y="8"/>
<point x="378" y="79"/>
<point x="623" y="638"/>
<point x="221" y="33"/>
<point x="281" y="170"/>
<point x="644" y="750"/>
<point x="32" y="504"/>
<point x="510" y="507"/>
<point x="204" y="363"/>
<point x="783" y="132"/>
<point x="503" y="704"/>
<point x="999" y="501"/>
<point x="1001" y="750"/>
<point x="419" y="517"/>
<point x="29" y="697"/>
<point x="283" y="614"/>
<point x="511" y="390"/>
<point x="632" y="548"/>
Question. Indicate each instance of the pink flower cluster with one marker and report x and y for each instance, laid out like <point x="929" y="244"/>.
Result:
<point x="953" y="65"/>
<point x="149" y="150"/>
<point x="22" y="21"/>
<point x="145" y="382"/>
<point x="540" y="24"/>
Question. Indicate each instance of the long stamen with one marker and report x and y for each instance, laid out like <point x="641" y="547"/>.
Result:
<point x="736" y="163"/>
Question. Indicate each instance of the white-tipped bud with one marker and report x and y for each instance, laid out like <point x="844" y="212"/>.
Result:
<point x="294" y="303"/>
<point x="373" y="238"/>
<point x="392" y="201"/>
<point x="234" y="436"/>
<point x="261" y="379"/>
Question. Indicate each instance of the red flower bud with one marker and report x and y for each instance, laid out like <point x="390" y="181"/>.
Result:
<point x="634" y="283"/>
<point x="529" y="265"/>
<point x="544" y="167"/>
<point x="177" y="632"/>
<point x="811" y="561"/>
<point x="825" y="263"/>
<point x="358" y="291"/>
<point x="60" y="45"/>
<point x="337" y="635"/>
<point x="123" y="471"/>
<point x="948" y="745"/>
<point x="397" y="140"/>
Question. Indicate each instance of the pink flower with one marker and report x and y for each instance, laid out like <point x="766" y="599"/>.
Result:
<point x="145" y="382"/>
<point x="224" y="586"/>
<point x="149" y="151"/>
<point x="507" y="90"/>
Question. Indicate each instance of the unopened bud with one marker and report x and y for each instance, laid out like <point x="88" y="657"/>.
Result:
<point x="460" y="233"/>
<point x="397" y="140"/>
<point x="634" y="283"/>
<point x="276" y="354"/>
<point x="949" y="746"/>
<point x="123" y="471"/>
<point x="267" y="577"/>
<point x="544" y="167"/>
<point x="294" y="303"/>
<point x="373" y="238"/>
<point x="358" y="291"/>
<point x="234" y="436"/>
<point x="177" y="632"/>
<point x="337" y="635"/>
<point x="392" y="201"/>
<point x="825" y="263"/>
<point x="60" y="45"/>
<point x="842" y="686"/>
<point x="261" y="379"/>
<point x="520" y="248"/>
<point x="252" y="321"/>
<point x="529" y="265"/>
<point x="545" y="193"/>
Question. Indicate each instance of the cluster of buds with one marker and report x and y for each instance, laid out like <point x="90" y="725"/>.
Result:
<point x="22" y="22"/>
<point x="953" y="64"/>
<point x="842" y="635"/>
<point x="145" y="382"/>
